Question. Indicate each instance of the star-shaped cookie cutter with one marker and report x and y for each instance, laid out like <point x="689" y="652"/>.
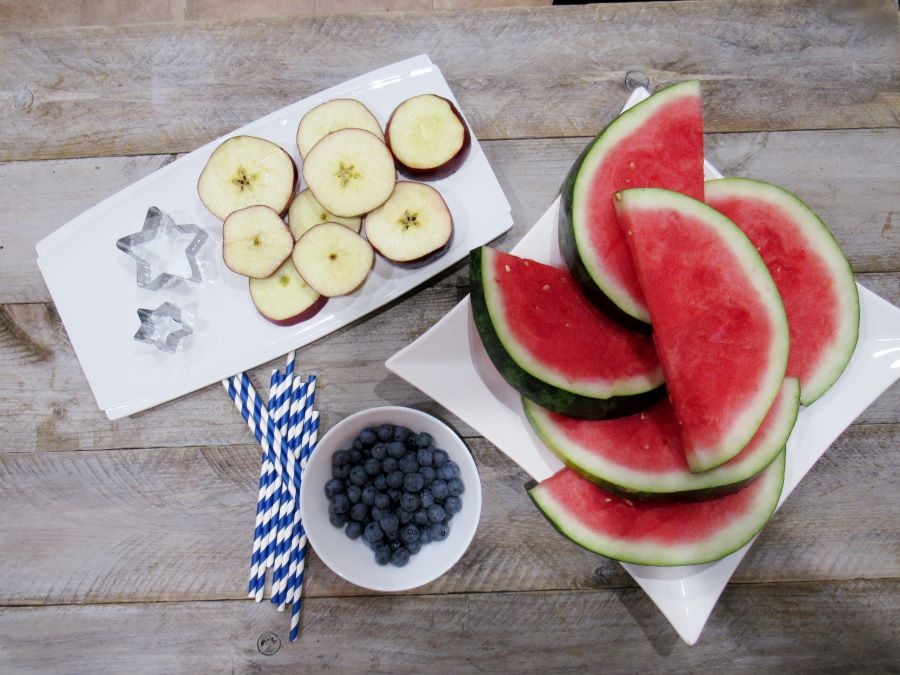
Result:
<point x="158" y="224"/>
<point x="163" y="327"/>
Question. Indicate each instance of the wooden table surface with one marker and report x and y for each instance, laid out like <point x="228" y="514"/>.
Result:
<point x="124" y="545"/>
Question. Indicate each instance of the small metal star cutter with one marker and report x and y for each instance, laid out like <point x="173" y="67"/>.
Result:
<point x="163" y="327"/>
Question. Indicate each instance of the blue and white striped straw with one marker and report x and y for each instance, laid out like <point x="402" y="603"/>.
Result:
<point x="257" y="555"/>
<point x="279" y="409"/>
<point x="297" y="581"/>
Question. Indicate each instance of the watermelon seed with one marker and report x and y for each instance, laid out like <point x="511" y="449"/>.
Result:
<point x="507" y="268"/>
<point x="608" y="500"/>
<point x="546" y="287"/>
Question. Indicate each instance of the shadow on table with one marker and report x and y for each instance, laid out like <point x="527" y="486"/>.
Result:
<point x="651" y="621"/>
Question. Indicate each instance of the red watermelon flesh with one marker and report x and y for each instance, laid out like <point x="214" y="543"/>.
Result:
<point x="719" y="325"/>
<point x="658" y="533"/>
<point x="810" y="270"/>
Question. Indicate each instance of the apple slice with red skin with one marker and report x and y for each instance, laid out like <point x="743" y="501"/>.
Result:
<point x="306" y="213"/>
<point x="350" y="172"/>
<point x="412" y="225"/>
<point x="333" y="259"/>
<point x="255" y="241"/>
<point x="338" y="113"/>
<point x="428" y="137"/>
<point x="284" y="298"/>
<point x="245" y="171"/>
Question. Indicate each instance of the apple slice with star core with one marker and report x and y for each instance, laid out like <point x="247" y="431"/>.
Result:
<point x="428" y="137"/>
<point x="305" y="213"/>
<point x="284" y="298"/>
<point x="412" y="224"/>
<point x="245" y="171"/>
<point x="255" y="241"/>
<point x="333" y="259"/>
<point x="350" y="172"/>
<point x="339" y="113"/>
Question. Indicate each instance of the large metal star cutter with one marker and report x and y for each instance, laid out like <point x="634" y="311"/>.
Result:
<point x="164" y="251"/>
<point x="163" y="328"/>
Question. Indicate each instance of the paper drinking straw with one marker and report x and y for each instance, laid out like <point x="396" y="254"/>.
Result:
<point x="278" y="412"/>
<point x="298" y="583"/>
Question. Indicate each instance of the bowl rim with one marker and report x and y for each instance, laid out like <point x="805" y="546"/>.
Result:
<point x="467" y="536"/>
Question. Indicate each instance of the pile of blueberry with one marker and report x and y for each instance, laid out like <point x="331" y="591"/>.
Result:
<point x="394" y="489"/>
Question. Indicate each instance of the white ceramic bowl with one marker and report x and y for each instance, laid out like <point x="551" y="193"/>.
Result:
<point x="354" y="560"/>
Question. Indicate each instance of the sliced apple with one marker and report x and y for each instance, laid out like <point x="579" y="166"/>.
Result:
<point x="411" y="225"/>
<point x="428" y="136"/>
<point x="306" y="212"/>
<point x="284" y="298"/>
<point x="339" y="113"/>
<point x="255" y="241"/>
<point x="245" y="171"/>
<point x="350" y="172"/>
<point x="333" y="259"/>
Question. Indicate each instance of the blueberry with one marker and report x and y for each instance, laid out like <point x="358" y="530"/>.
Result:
<point x="413" y="482"/>
<point x="367" y="436"/>
<point x="401" y="434"/>
<point x="378" y="451"/>
<point x="400" y="557"/>
<point x="393" y="535"/>
<point x="337" y="519"/>
<point x="409" y="533"/>
<point x="359" y="512"/>
<point x="383" y="554"/>
<point x="456" y="487"/>
<point x="341" y="472"/>
<point x="373" y="532"/>
<point x="423" y="440"/>
<point x="358" y="476"/>
<point x="425" y="456"/>
<point x="436" y="513"/>
<point x="389" y="465"/>
<point x="382" y="500"/>
<point x="438" y="531"/>
<point x="424" y="535"/>
<point x="380" y="482"/>
<point x="385" y="433"/>
<point x="377" y="512"/>
<point x="427" y="498"/>
<point x="354" y="493"/>
<point x="414" y="546"/>
<point x="372" y="466"/>
<point x="355" y="456"/>
<point x="396" y="544"/>
<point x="354" y="530"/>
<point x="333" y="487"/>
<point x="445" y="472"/>
<point x="409" y="501"/>
<point x="394" y="494"/>
<point x="408" y="464"/>
<point x="440" y="458"/>
<point x="420" y="517"/>
<point x="428" y="474"/>
<point x="454" y="467"/>
<point x="452" y="505"/>
<point x="368" y="495"/>
<point x="357" y="445"/>
<point x="339" y="504"/>
<point x="394" y="479"/>
<point x="396" y="450"/>
<point x="389" y="522"/>
<point x="440" y="490"/>
<point x="404" y="516"/>
<point x="340" y="458"/>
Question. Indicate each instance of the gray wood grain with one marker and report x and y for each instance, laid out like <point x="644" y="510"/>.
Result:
<point x="175" y="524"/>
<point x="857" y="197"/>
<point x="766" y="65"/>
<point x="803" y="627"/>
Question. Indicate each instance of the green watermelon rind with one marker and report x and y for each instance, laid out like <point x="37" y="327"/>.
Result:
<point x="501" y="349"/>
<point x="586" y="267"/>
<point x="743" y="429"/>
<point x="821" y="240"/>
<point x="637" y="484"/>
<point x="725" y="542"/>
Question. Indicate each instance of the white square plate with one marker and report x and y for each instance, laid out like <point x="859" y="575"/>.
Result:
<point x="449" y="364"/>
<point x="93" y="283"/>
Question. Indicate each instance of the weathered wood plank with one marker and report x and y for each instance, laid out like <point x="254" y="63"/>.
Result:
<point x="766" y="65"/>
<point x="836" y="627"/>
<point x="856" y="196"/>
<point x="175" y="524"/>
<point x="46" y="405"/>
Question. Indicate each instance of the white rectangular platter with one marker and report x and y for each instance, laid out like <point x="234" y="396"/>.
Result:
<point x="93" y="283"/>
<point x="449" y="364"/>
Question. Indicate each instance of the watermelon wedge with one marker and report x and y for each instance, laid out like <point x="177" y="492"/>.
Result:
<point x="810" y="270"/>
<point x="718" y="322"/>
<point x="658" y="533"/>
<point x="552" y="345"/>
<point x="657" y="143"/>
<point x="641" y="455"/>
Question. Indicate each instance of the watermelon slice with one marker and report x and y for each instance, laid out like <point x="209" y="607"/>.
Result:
<point x="658" y="533"/>
<point x="641" y="455"/>
<point x="552" y="345"/>
<point x="657" y="143"/>
<point x="810" y="270"/>
<point x="718" y="322"/>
